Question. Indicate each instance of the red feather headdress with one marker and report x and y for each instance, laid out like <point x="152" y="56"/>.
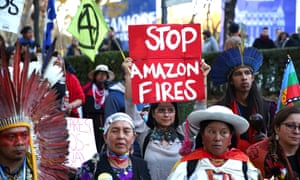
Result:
<point x="26" y="100"/>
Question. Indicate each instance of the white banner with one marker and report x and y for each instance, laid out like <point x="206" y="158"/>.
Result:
<point x="82" y="142"/>
<point x="10" y="15"/>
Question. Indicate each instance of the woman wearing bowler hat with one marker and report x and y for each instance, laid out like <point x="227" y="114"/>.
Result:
<point x="216" y="156"/>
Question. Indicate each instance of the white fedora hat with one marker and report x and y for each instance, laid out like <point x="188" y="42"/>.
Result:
<point x="104" y="68"/>
<point x="219" y="113"/>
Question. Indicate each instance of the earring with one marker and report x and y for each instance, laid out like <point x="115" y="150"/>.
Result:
<point x="276" y="137"/>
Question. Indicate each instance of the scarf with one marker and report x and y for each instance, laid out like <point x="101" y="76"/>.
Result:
<point x="99" y="96"/>
<point x="200" y="153"/>
<point x="168" y="135"/>
<point x="243" y="144"/>
<point x="27" y="42"/>
<point x="117" y="158"/>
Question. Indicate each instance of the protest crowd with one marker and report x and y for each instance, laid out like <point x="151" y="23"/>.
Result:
<point x="129" y="128"/>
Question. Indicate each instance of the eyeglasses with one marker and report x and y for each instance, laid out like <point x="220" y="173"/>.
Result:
<point x="292" y="126"/>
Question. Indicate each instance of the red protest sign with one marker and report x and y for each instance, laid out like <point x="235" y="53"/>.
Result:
<point x="167" y="66"/>
<point x="164" y="41"/>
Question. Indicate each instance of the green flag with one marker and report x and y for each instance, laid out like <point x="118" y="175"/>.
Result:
<point x="88" y="27"/>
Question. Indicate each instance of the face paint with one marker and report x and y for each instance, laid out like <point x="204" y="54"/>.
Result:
<point x="13" y="138"/>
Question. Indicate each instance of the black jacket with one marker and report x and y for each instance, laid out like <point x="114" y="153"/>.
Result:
<point x="139" y="167"/>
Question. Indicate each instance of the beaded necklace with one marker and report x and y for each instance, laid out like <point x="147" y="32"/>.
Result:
<point x="23" y="171"/>
<point x="125" y="173"/>
<point x="168" y="135"/>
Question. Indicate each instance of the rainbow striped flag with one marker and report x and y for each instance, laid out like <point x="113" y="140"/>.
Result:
<point x="290" y="88"/>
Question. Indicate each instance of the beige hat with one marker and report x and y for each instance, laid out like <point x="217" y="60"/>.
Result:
<point x="219" y="113"/>
<point x="104" y="68"/>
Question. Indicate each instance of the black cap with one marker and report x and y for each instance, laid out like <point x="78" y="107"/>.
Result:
<point x="26" y="29"/>
<point x="234" y="28"/>
<point x="206" y="33"/>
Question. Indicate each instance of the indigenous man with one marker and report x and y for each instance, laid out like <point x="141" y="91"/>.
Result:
<point x="237" y="67"/>
<point x="27" y="105"/>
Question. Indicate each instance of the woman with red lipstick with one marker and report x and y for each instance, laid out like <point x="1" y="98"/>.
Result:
<point x="278" y="156"/>
<point x="216" y="156"/>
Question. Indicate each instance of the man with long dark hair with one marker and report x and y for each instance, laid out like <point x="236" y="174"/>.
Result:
<point x="237" y="68"/>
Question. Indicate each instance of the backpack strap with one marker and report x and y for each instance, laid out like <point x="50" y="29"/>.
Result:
<point x="245" y="169"/>
<point x="190" y="168"/>
<point x="180" y="136"/>
<point x="146" y="142"/>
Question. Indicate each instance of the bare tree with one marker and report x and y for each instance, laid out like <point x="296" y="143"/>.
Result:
<point x="36" y="21"/>
<point x="229" y="15"/>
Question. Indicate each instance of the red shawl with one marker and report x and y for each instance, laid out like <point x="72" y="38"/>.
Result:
<point x="200" y="153"/>
<point x="242" y="143"/>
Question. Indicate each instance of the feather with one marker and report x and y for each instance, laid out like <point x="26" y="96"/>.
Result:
<point x="16" y="68"/>
<point x="58" y="172"/>
<point x="28" y="99"/>
<point x="24" y="79"/>
<point x="9" y="94"/>
<point x="52" y="72"/>
<point x="53" y="145"/>
<point x="232" y="58"/>
<point x="253" y="58"/>
<point x="34" y="66"/>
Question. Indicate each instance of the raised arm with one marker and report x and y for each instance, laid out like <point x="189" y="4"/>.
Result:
<point x="203" y="103"/>
<point x="126" y="65"/>
<point x="130" y="108"/>
<point x="193" y="128"/>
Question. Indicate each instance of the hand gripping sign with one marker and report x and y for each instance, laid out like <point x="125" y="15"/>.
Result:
<point x="166" y="63"/>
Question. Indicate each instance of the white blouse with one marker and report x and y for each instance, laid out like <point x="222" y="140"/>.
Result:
<point x="230" y="167"/>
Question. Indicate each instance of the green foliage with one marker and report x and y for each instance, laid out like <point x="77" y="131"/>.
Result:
<point x="269" y="77"/>
<point x="83" y="65"/>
